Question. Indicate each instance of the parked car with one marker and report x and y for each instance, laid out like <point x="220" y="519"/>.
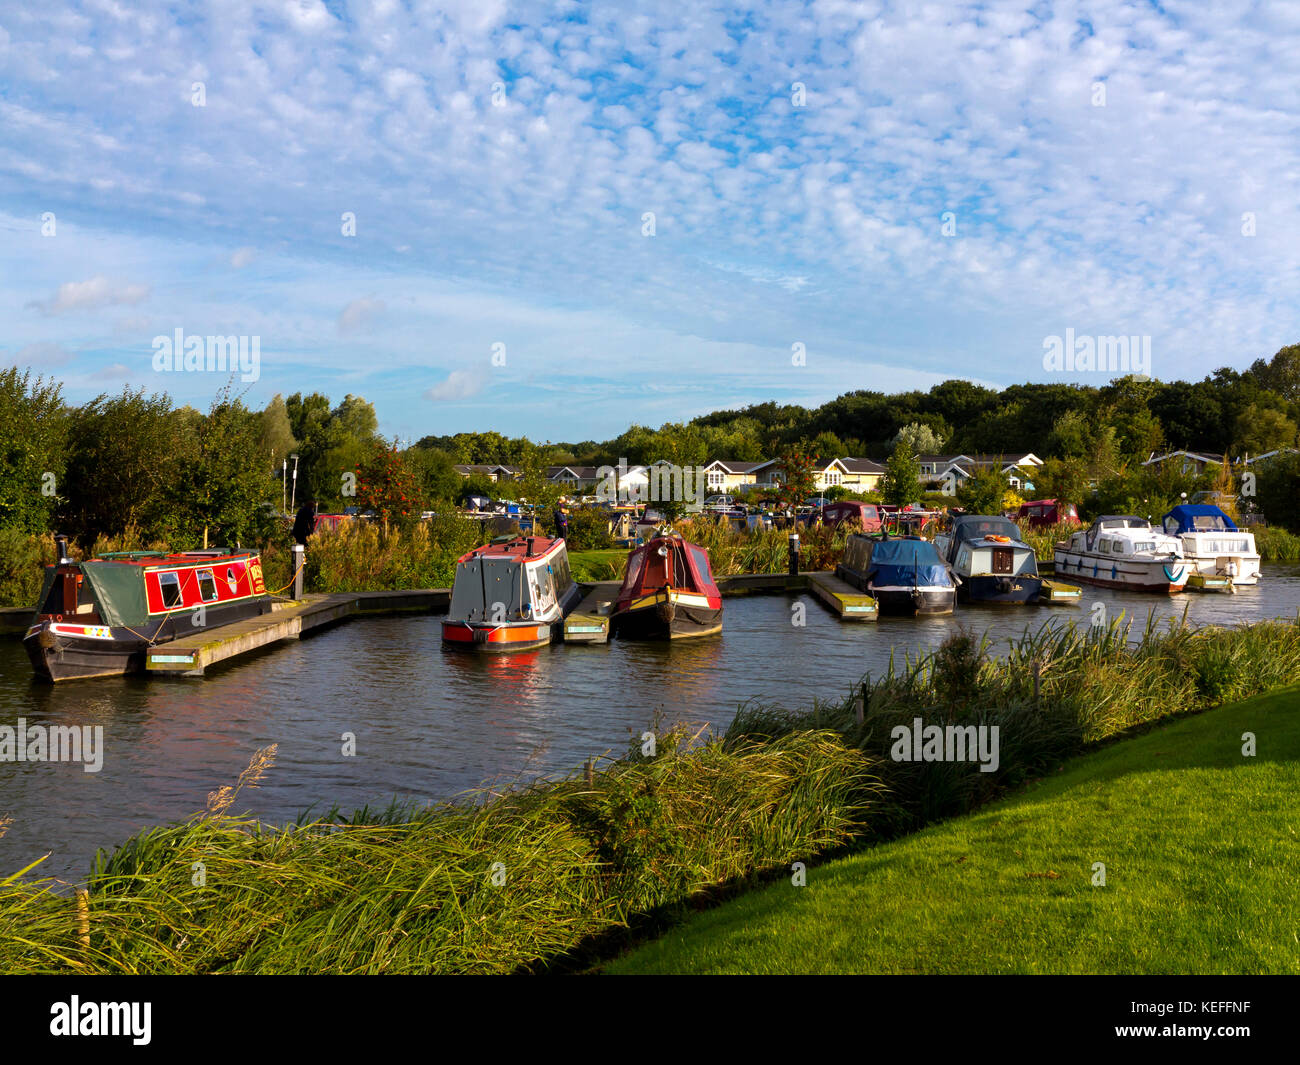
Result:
<point x="1041" y="513"/>
<point x="865" y="515"/>
<point x="721" y="502"/>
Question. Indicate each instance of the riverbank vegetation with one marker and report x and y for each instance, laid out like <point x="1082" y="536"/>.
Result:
<point x="477" y="887"/>
<point x="1165" y="853"/>
<point x="544" y="875"/>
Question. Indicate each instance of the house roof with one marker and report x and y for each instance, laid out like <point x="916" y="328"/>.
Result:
<point x="734" y="467"/>
<point x="1199" y="456"/>
<point x="852" y="465"/>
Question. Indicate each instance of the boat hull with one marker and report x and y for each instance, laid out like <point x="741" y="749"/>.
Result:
<point x="669" y="616"/>
<point x="65" y="650"/>
<point x="1155" y="577"/>
<point x="1004" y="590"/>
<point x="903" y="600"/>
<point x="497" y="639"/>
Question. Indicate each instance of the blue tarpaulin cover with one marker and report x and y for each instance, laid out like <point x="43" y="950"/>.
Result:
<point x="1183" y="519"/>
<point x="907" y="562"/>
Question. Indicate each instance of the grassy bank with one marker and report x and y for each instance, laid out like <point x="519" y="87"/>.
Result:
<point x="1198" y="844"/>
<point x="1054" y="692"/>
<point x="483" y="887"/>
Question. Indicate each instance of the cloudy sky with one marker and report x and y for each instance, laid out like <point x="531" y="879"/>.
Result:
<point x="568" y="217"/>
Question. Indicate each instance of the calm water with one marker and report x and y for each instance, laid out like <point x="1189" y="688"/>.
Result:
<point x="430" y="723"/>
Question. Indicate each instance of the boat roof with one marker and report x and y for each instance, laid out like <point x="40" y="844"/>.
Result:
<point x="166" y="559"/>
<point x="520" y="549"/>
<point x="903" y="551"/>
<point x="1120" y="517"/>
<point x="1187" y="514"/>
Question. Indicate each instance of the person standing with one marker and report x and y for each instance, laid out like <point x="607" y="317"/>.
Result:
<point x="304" y="522"/>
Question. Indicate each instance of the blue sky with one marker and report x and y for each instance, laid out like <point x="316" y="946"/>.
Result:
<point x="500" y="160"/>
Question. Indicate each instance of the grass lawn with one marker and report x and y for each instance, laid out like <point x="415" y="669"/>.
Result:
<point x="604" y="565"/>
<point x="1201" y="847"/>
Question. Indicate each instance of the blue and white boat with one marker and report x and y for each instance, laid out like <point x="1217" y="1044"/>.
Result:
<point x="993" y="564"/>
<point x="905" y="574"/>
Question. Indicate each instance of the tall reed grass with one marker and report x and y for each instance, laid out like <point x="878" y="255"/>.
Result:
<point x="1056" y="691"/>
<point x="486" y="886"/>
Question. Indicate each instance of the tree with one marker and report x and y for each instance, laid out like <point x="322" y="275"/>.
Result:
<point x="922" y="439"/>
<point x="122" y="465"/>
<point x="33" y="431"/>
<point x="275" y="434"/>
<point x="1260" y="430"/>
<point x="798" y="474"/>
<point x="982" y="491"/>
<point x="387" y="486"/>
<point x="1277" y="490"/>
<point x="902" y="481"/>
<point x="226" y="481"/>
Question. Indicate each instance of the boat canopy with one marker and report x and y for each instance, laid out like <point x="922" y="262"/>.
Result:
<point x="907" y="562"/>
<point x="667" y="560"/>
<point x="1191" y="517"/>
<point x="977" y="526"/>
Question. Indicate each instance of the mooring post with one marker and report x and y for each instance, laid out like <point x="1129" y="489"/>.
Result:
<point x="794" y="554"/>
<point x="858" y="704"/>
<point x="83" y="918"/>
<point x="591" y="773"/>
<point x="299" y="562"/>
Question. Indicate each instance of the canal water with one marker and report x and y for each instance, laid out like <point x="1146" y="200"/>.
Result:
<point x="429" y="723"/>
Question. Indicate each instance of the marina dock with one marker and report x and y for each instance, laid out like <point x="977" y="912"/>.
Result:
<point x="590" y="620"/>
<point x="190" y="657"/>
<point x="842" y="599"/>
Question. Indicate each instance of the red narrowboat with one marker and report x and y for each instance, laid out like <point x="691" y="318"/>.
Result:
<point x="668" y="592"/>
<point x="511" y="595"/>
<point x="99" y="617"/>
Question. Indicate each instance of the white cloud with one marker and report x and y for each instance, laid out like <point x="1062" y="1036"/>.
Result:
<point x="242" y="257"/>
<point x="360" y="314"/>
<point x="460" y="384"/>
<point x="41" y="355"/>
<point x="88" y="295"/>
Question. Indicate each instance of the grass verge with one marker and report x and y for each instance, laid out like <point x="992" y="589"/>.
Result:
<point x="1200" y="846"/>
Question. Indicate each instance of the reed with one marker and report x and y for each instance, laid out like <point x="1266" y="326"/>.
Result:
<point x="486" y="885"/>
<point x="1056" y="691"/>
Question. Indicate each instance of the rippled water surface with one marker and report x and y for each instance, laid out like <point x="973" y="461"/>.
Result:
<point x="431" y="723"/>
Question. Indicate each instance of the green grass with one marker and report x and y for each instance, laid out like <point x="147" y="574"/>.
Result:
<point x="1201" y="847"/>
<point x="602" y="565"/>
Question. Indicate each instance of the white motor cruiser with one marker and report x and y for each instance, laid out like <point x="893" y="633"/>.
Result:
<point x="1124" y="551"/>
<point x="1212" y="543"/>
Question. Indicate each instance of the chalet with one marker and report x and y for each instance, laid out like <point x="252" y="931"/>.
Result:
<point x="575" y="477"/>
<point x="861" y="475"/>
<point x="727" y="476"/>
<point x="1188" y="463"/>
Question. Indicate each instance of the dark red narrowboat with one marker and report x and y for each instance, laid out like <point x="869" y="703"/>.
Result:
<point x="668" y="592"/>
<point x="99" y="617"/>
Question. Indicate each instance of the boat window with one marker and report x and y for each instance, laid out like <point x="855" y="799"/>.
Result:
<point x="170" y="585"/>
<point x="634" y="564"/>
<point x="563" y="576"/>
<point x="700" y="560"/>
<point x="232" y="581"/>
<point x="1104" y="547"/>
<point x="207" y="586"/>
<point x="1144" y="547"/>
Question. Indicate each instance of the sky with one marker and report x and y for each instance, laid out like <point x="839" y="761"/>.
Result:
<point x="557" y="219"/>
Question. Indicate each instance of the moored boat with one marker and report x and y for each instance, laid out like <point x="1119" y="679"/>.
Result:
<point x="905" y="574"/>
<point x="1124" y="551"/>
<point x="668" y="591"/>
<point x="991" y="561"/>
<point x="1213" y="546"/>
<point x="99" y="617"/>
<point x="510" y="595"/>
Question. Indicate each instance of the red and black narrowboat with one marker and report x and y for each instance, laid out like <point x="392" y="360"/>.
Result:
<point x="511" y="595"/>
<point x="99" y="617"/>
<point x="668" y="592"/>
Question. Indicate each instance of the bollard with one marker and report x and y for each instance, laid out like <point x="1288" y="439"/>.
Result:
<point x="299" y="562"/>
<point x="794" y="554"/>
